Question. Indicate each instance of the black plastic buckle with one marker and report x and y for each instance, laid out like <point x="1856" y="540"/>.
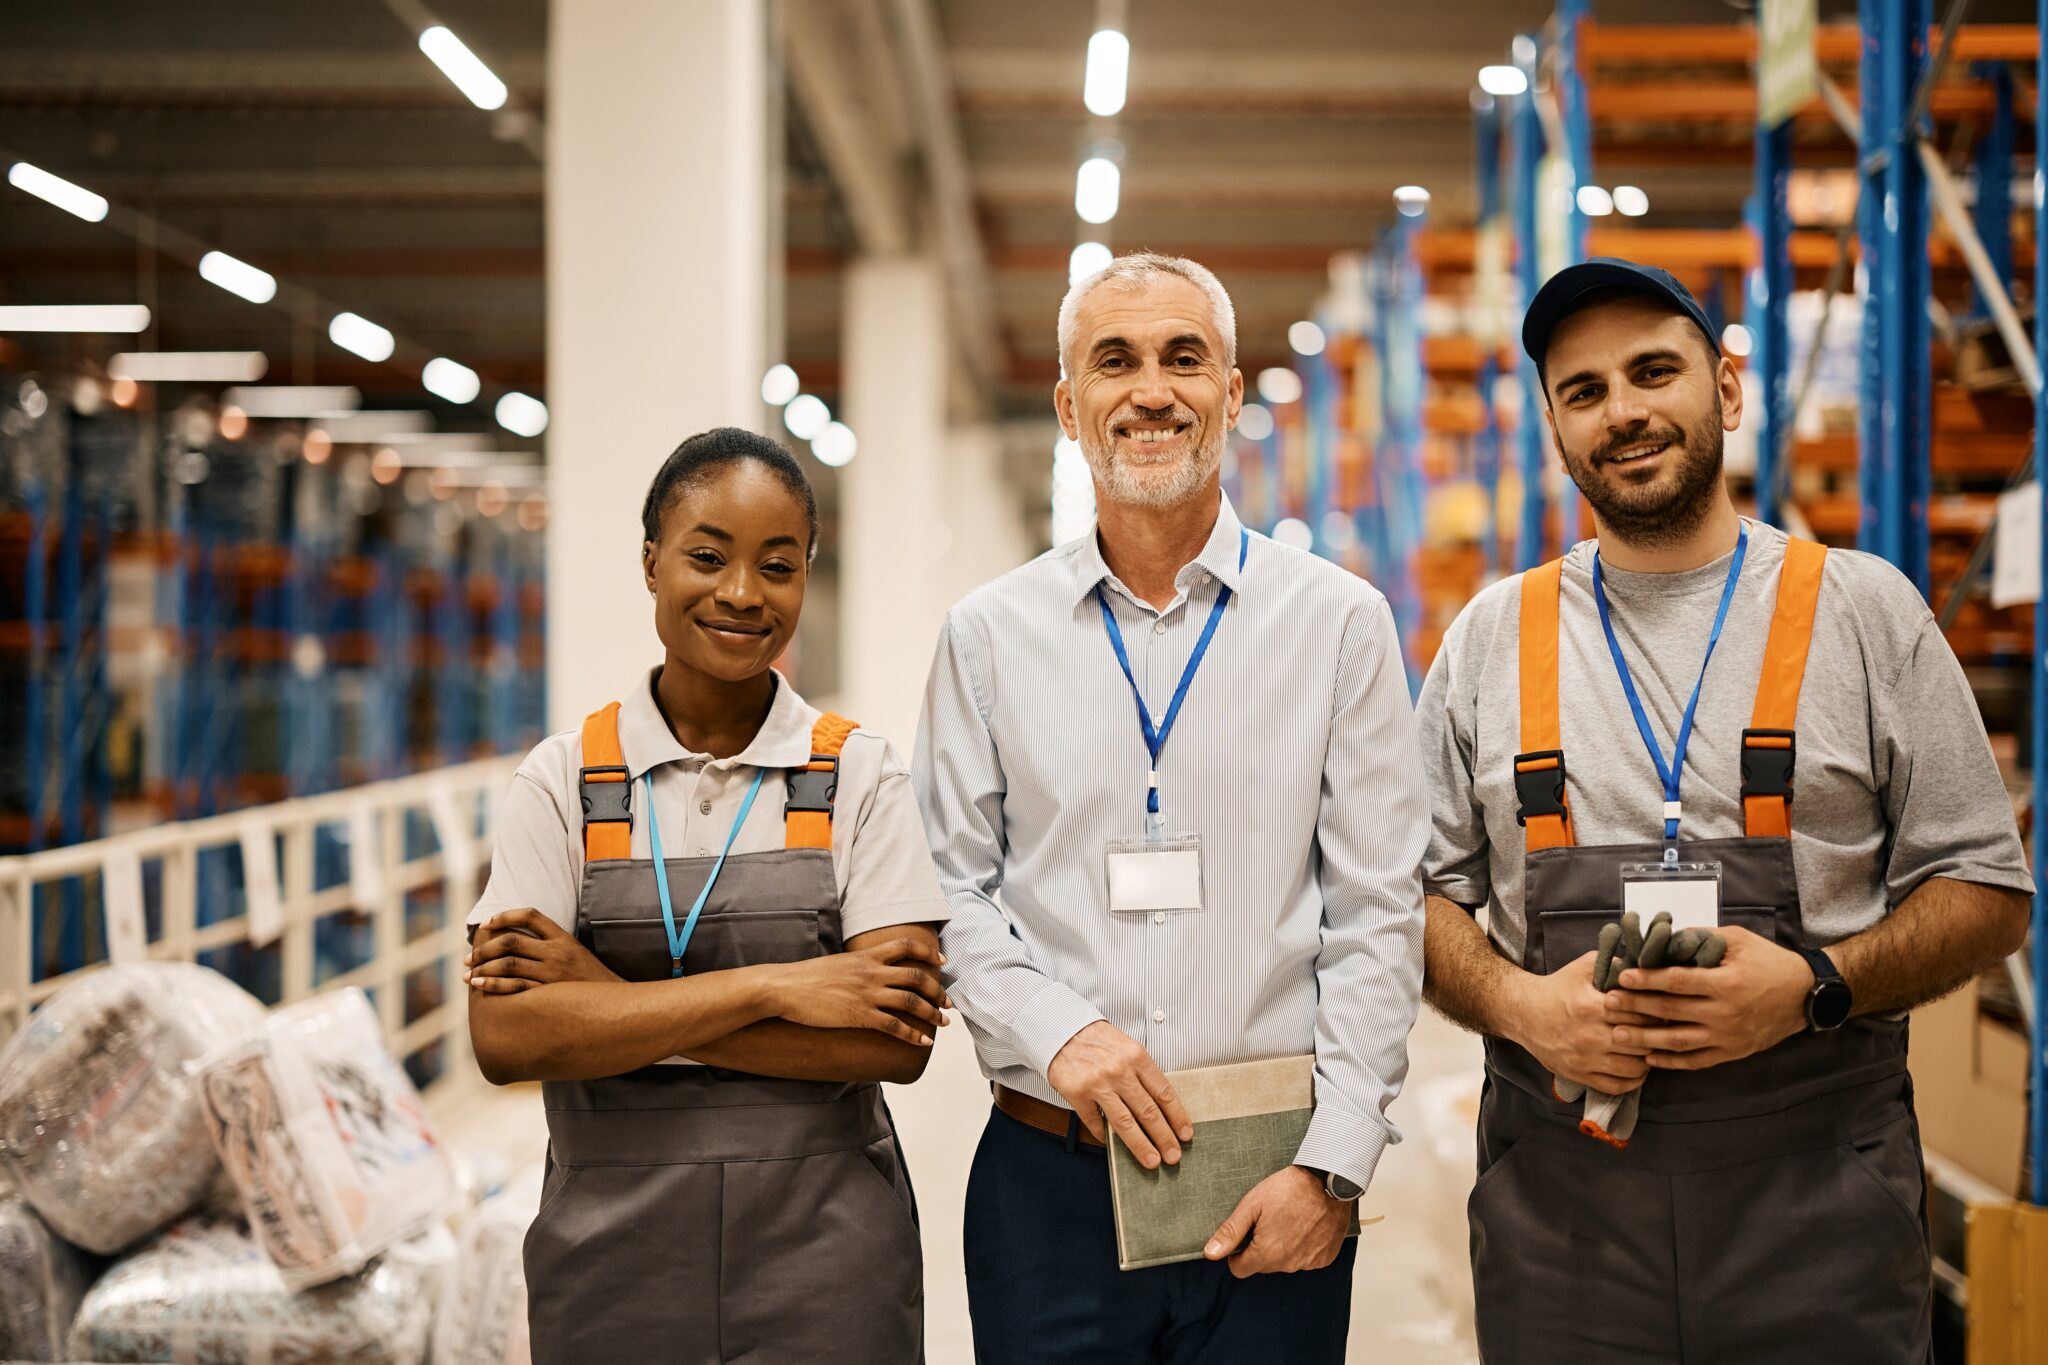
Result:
<point x="1539" y="791"/>
<point x="1768" y="772"/>
<point x="605" y="802"/>
<point x="810" y="790"/>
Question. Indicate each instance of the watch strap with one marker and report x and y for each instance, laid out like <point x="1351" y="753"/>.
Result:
<point x="1826" y="978"/>
<point x="1823" y="966"/>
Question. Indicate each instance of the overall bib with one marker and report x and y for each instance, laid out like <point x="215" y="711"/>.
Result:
<point x="697" y="1215"/>
<point x="1766" y="1210"/>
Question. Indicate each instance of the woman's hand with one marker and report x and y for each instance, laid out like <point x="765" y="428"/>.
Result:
<point x="516" y="950"/>
<point x="866" y="988"/>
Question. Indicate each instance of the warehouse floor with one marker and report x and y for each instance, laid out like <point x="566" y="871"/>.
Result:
<point x="1411" y="1297"/>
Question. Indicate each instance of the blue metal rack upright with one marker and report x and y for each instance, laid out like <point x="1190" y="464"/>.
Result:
<point x="1525" y="150"/>
<point x="1769" y="292"/>
<point x="2038" y="1052"/>
<point x="1897" y="344"/>
<point x="1487" y="130"/>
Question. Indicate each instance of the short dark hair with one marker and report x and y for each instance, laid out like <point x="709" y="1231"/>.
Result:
<point x="708" y="451"/>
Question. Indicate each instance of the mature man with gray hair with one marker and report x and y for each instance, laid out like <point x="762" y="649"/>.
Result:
<point x="1185" y="756"/>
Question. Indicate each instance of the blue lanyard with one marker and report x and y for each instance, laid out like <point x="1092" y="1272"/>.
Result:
<point x="1676" y="770"/>
<point x="1155" y="740"/>
<point x="678" y="942"/>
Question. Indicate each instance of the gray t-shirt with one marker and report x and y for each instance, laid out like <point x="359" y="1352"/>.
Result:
<point x="1895" y="780"/>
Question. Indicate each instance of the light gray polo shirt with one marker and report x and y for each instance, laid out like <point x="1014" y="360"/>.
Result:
<point x="879" y="856"/>
<point x="1895" y="782"/>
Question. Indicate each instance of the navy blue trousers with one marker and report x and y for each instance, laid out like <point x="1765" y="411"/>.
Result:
<point x="1043" y="1286"/>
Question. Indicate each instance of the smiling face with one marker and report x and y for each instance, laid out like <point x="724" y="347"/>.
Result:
<point x="1637" y="405"/>
<point x="729" y="571"/>
<point x="1148" y="394"/>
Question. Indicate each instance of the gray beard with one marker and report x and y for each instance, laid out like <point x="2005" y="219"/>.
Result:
<point x="1117" y="481"/>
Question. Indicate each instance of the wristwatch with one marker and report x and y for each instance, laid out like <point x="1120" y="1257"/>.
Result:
<point x="1336" y="1186"/>
<point x="1829" y="1002"/>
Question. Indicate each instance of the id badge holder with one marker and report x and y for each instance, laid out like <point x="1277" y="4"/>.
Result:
<point x="1148" y="876"/>
<point x="1689" y="892"/>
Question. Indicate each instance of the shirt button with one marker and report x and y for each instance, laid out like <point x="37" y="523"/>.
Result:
<point x="703" y="808"/>
<point x="1158" y="1016"/>
<point x="1205" y="578"/>
<point x="1159" y="629"/>
<point x="1159" y="917"/>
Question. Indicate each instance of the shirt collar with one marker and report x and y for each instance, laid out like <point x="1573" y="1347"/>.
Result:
<point x="645" y="742"/>
<point x="1218" y="557"/>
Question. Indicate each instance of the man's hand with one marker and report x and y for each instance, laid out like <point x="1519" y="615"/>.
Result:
<point x="1569" y="1025"/>
<point x="1287" y="1222"/>
<point x="1104" y="1073"/>
<point x="1755" y="999"/>
<point x="516" y="950"/>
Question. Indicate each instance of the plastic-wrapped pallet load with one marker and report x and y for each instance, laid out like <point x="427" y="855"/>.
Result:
<point x="482" y="1318"/>
<point x="100" y="1122"/>
<point x="325" y="1138"/>
<point x="205" y="1294"/>
<point x="42" y="1278"/>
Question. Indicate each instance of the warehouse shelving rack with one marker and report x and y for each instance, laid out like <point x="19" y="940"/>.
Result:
<point x="251" y="644"/>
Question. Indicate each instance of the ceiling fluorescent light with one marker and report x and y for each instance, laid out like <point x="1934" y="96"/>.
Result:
<point x="1085" y="260"/>
<point x="1503" y="80"/>
<point x="1108" y="74"/>
<point x="448" y="379"/>
<point x="1097" y="187"/>
<point x="371" y="425"/>
<point x="294" y="400"/>
<point x="362" y="336"/>
<point x="74" y="317"/>
<point x="55" y="189"/>
<point x="238" y="277"/>
<point x="522" y="414"/>
<point x="189" y="367"/>
<point x="463" y="67"/>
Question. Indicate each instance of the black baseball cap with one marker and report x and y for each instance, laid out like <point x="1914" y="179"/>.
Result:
<point x="1561" y="294"/>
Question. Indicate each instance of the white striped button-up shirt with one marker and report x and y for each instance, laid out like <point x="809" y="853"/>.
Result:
<point x="1294" y="758"/>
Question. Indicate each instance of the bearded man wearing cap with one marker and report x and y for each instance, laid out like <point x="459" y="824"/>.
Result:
<point x="1694" y="714"/>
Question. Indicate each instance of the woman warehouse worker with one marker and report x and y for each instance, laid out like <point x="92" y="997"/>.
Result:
<point x="710" y="932"/>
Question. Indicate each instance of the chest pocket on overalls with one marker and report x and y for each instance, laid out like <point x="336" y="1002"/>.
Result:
<point x="777" y="906"/>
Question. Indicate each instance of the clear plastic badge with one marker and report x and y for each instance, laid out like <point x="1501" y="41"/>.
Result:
<point x="1150" y="875"/>
<point x="1689" y="892"/>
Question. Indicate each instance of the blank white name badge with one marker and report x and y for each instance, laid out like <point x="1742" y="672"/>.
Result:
<point x="1148" y="875"/>
<point x="1689" y="892"/>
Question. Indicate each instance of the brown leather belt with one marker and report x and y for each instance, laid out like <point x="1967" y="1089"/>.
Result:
<point x="1036" y="1113"/>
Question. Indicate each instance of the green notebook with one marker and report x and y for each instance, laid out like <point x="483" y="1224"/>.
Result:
<point x="1250" y="1119"/>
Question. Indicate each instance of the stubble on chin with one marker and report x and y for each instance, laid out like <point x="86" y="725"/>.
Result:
<point x="1652" y="519"/>
<point x="1150" y="486"/>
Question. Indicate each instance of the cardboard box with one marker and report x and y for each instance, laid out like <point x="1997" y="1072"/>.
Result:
<point x="1970" y="1088"/>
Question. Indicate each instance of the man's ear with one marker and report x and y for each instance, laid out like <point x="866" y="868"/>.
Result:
<point x="647" y="563"/>
<point x="1729" y="381"/>
<point x="1063" y="408"/>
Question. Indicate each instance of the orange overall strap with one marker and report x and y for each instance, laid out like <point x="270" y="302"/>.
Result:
<point x="606" y="792"/>
<point x="1768" y="748"/>
<point x="1544" y="812"/>
<point x="807" y="813"/>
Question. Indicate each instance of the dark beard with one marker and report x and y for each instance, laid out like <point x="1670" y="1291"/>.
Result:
<point x="1656" y="519"/>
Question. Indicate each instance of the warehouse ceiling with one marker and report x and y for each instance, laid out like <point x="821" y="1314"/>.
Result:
<point x="315" y="140"/>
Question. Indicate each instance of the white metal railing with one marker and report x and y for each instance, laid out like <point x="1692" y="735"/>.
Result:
<point x="281" y="902"/>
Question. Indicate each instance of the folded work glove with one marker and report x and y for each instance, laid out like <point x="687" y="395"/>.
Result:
<point x="1623" y="944"/>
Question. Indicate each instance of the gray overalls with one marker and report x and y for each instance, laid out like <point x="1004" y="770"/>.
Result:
<point x="1768" y="1211"/>
<point x="696" y="1215"/>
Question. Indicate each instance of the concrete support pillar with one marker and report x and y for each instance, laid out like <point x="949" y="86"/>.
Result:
<point x="659" y="172"/>
<point x="893" y="536"/>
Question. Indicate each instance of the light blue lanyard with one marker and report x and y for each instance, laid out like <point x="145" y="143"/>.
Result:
<point x="1155" y="740"/>
<point x="1673" y="773"/>
<point x="678" y="942"/>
